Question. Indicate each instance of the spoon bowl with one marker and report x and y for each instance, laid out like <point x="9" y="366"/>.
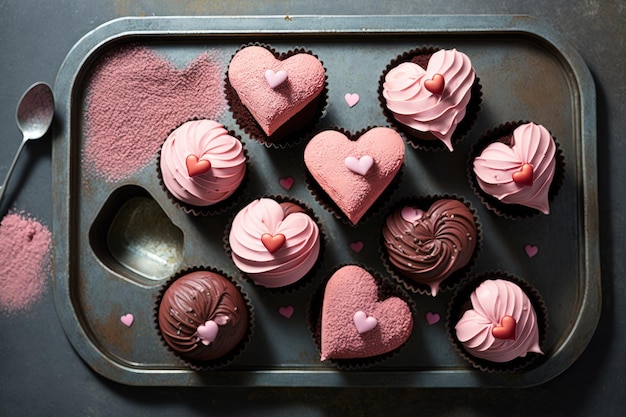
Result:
<point x="34" y="115"/>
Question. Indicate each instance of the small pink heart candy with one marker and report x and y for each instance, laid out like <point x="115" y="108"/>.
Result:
<point x="352" y="99"/>
<point x="356" y="246"/>
<point x="411" y="215"/>
<point x="432" y="318"/>
<point x="274" y="79"/>
<point x="531" y="250"/>
<point x="286" y="183"/>
<point x="207" y="332"/>
<point x="364" y="323"/>
<point x="286" y="311"/>
<point x="359" y="165"/>
<point x="127" y="319"/>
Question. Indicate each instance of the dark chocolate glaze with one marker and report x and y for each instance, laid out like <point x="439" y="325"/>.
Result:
<point x="191" y="301"/>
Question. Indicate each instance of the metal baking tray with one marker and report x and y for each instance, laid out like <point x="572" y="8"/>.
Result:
<point x="527" y="71"/>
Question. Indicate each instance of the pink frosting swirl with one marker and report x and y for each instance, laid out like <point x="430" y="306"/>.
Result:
<point x="413" y="105"/>
<point x="491" y="301"/>
<point x="292" y="260"/>
<point x="208" y="140"/>
<point x="496" y="165"/>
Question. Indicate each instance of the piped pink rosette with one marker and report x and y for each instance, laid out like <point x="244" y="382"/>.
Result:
<point x="521" y="173"/>
<point x="201" y="163"/>
<point x="273" y="246"/>
<point x="502" y="324"/>
<point x="432" y="100"/>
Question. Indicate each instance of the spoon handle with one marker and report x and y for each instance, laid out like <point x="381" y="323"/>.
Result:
<point x="6" y="179"/>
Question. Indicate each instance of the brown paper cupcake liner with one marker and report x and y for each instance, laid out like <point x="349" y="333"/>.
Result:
<point x="293" y="131"/>
<point x="425" y="141"/>
<point x="213" y="209"/>
<point x="386" y="288"/>
<point x="455" y="279"/>
<point x="231" y="356"/>
<point x="309" y="276"/>
<point x="460" y="302"/>
<point x="324" y="200"/>
<point x="510" y="211"/>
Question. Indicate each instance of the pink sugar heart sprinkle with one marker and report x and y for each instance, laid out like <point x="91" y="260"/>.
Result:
<point x="274" y="79"/>
<point x="127" y="319"/>
<point x="359" y="165"/>
<point x="356" y="246"/>
<point x="25" y="261"/>
<point x="531" y="250"/>
<point x="363" y="322"/>
<point x="411" y="214"/>
<point x="351" y="99"/>
<point x="286" y="311"/>
<point x="207" y="332"/>
<point x="286" y="183"/>
<point x="135" y="98"/>
<point x="432" y="318"/>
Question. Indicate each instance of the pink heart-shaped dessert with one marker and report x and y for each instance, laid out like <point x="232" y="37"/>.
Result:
<point x="257" y="77"/>
<point x="325" y="158"/>
<point x="207" y="332"/>
<point x="348" y="332"/>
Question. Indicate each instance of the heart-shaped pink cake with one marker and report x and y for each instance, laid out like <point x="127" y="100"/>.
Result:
<point x="355" y="323"/>
<point x="275" y="90"/>
<point x="354" y="173"/>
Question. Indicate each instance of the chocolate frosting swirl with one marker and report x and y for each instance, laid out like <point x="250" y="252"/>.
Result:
<point x="190" y="302"/>
<point x="434" y="244"/>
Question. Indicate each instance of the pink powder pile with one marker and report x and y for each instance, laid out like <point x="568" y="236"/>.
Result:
<point x="24" y="262"/>
<point x="135" y="98"/>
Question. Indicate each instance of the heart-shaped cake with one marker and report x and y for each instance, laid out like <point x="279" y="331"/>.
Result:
<point x="355" y="323"/>
<point x="354" y="173"/>
<point x="518" y="168"/>
<point x="274" y="90"/>
<point x="428" y="242"/>
<point x="430" y="101"/>
<point x="275" y="244"/>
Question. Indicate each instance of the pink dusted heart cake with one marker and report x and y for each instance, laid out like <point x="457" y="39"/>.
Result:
<point x="428" y="241"/>
<point x="432" y="96"/>
<point x="516" y="169"/>
<point x="273" y="95"/>
<point x="201" y="164"/>
<point x="359" y="319"/>
<point x="275" y="244"/>
<point x="499" y="325"/>
<point x="349" y="176"/>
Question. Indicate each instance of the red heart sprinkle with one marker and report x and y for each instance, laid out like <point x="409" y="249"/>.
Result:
<point x="286" y="183"/>
<point x="524" y="176"/>
<point x="197" y="166"/>
<point x="273" y="242"/>
<point x="506" y="330"/>
<point x="436" y="84"/>
<point x="356" y="246"/>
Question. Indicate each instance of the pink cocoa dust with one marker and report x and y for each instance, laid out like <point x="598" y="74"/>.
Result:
<point x="135" y="98"/>
<point x="24" y="262"/>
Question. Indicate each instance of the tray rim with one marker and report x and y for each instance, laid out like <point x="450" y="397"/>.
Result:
<point x="205" y="26"/>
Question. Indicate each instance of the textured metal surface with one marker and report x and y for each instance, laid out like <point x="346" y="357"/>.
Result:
<point x="527" y="72"/>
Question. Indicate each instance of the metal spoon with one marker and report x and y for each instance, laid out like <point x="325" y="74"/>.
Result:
<point x="34" y="116"/>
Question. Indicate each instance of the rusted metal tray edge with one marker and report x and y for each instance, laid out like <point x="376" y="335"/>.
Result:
<point x="119" y="29"/>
